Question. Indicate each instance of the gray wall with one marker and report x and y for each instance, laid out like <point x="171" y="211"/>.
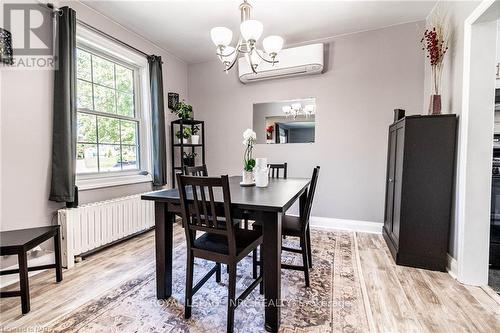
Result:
<point x="26" y="125"/>
<point x="368" y="75"/>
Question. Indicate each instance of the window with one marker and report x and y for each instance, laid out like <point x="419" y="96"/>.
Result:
<point x="113" y="113"/>
<point x="108" y="122"/>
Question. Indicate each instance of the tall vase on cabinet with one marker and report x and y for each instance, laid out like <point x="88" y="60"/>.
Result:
<point x="435" y="104"/>
<point x="435" y="44"/>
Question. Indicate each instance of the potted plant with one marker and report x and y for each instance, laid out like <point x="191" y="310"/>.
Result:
<point x="188" y="158"/>
<point x="183" y="110"/>
<point x="249" y="137"/>
<point x="195" y="137"/>
<point x="435" y="43"/>
<point x="184" y="136"/>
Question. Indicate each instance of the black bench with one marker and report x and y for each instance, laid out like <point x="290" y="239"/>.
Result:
<point x="19" y="242"/>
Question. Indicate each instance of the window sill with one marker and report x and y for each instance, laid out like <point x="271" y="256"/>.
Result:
<point x="101" y="182"/>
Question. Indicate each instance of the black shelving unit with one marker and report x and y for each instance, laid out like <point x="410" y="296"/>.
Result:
<point x="179" y="125"/>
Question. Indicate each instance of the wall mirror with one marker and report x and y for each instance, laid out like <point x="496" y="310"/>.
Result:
<point x="291" y="121"/>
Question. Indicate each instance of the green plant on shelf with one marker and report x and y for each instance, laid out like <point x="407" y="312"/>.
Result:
<point x="186" y="133"/>
<point x="188" y="158"/>
<point x="196" y="130"/>
<point x="189" y="155"/>
<point x="183" y="110"/>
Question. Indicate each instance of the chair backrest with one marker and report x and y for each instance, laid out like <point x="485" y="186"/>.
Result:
<point x="199" y="210"/>
<point x="274" y="169"/>
<point x="310" y="197"/>
<point x="199" y="170"/>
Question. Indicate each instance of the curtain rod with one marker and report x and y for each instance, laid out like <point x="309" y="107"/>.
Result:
<point x="88" y="26"/>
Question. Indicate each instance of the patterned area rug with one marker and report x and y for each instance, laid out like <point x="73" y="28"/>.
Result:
<point x="333" y="303"/>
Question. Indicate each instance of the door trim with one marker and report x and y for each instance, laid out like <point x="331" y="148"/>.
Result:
<point x="472" y="249"/>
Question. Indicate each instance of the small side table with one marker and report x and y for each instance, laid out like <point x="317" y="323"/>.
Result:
<point x="19" y="242"/>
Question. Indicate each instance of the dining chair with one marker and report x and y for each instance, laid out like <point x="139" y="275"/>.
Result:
<point x="298" y="226"/>
<point x="199" y="170"/>
<point x="274" y="169"/>
<point x="219" y="242"/>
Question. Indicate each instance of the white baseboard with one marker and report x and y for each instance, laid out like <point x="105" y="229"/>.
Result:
<point x="344" y="224"/>
<point x="45" y="259"/>
<point x="451" y="266"/>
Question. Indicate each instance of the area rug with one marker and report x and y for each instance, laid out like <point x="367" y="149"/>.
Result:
<point x="333" y="302"/>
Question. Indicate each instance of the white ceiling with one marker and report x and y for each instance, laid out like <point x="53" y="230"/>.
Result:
<point x="183" y="27"/>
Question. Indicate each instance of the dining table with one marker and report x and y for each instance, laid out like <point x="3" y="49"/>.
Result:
<point x="266" y="204"/>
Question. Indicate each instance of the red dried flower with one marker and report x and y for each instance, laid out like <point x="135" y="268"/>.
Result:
<point x="435" y="47"/>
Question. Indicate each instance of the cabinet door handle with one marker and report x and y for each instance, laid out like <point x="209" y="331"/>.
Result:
<point x="391" y="180"/>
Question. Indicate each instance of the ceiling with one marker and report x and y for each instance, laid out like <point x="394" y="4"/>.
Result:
<point x="183" y="27"/>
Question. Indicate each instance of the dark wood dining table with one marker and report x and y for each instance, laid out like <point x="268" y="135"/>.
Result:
<point x="266" y="204"/>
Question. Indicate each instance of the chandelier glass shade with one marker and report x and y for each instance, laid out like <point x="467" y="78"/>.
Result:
<point x="221" y="36"/>
<point x="251" y="31"/>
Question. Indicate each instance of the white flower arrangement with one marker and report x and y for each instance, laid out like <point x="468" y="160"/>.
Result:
<point x="249" y="139"/>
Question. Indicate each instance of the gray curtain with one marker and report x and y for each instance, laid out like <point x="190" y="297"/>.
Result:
<point x="64" y="122"/>
<point x="158" y="118"/>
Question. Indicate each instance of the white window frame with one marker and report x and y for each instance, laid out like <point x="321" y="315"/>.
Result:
<point x="102" y="46"/>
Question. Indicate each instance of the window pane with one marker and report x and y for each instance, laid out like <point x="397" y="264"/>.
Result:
<point x="83" y="65"/>
<point x="124" y="79"/>
<point x="108" y="129"/>
<point x="104" y="99"/>
<point x="125" y="105"/>
<point x="129" y="158"/>
<point x="87" y="131"/>
<point x="103" y="71"/>
<point x="109" y="158"/>
<point x="86" y="158"/>
<point x="84" y="95"/>
<point x="129" y="132"/>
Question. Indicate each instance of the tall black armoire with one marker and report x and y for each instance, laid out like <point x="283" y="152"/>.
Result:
<point x="420" y="176"/>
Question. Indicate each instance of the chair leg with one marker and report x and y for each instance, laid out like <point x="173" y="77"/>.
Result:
<point x="254" y="263"/>
<point x="218" y="273"/>
<point x="231" y="299"/>
<point x="305" y="259"/>
<point x="189" y="285"/>
<point x="309" y="248"/>
<point x="261" y="270"/>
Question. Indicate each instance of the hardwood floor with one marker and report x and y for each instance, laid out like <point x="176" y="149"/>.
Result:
<point x="404" y="299"/>
<point x="398" y="299"/>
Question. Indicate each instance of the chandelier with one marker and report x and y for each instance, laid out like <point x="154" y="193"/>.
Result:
<point x="296" y="109"/>
<point x="251" y="31"/>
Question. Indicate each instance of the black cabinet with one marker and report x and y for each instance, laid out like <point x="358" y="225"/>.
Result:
<point x="420" y="175"/>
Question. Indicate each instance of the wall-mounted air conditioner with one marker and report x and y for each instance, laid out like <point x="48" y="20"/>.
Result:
<point x="302" y="60"/>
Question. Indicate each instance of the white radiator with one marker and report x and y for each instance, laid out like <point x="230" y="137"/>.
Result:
<point x="94" y="225"/>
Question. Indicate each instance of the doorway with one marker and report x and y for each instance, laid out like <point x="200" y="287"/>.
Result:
<point x="474" y="178"/>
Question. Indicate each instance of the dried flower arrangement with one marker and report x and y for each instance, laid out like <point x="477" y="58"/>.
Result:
<point x="435" y="42"/>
